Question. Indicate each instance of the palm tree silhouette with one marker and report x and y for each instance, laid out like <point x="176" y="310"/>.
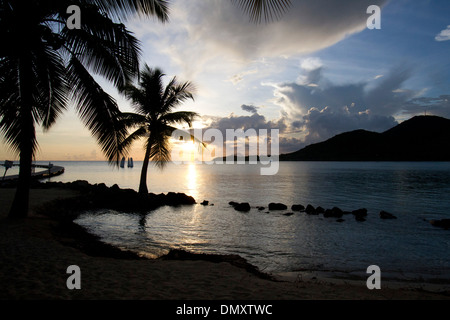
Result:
<point x="44" y="64"/>
<point x="154" y="118"/>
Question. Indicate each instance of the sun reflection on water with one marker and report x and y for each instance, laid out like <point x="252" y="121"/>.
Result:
<point x="192" y="180"/>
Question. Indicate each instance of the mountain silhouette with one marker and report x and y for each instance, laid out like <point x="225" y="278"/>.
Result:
<point x="421" y="138"/>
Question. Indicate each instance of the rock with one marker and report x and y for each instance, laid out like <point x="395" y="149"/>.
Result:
<point x="175" y="199"/>
<point x="340" y="220"/>
<point x="360" y="212"/>
<point x="244" y="206"/>
<point x="443" y="223"/>
<point x="319" y="209"/>
<point x="387" y="215"/>
<point x="260" y="208"/>
<point x="205" y="203"/>
<point x="310" y="209"/>
<point x="288" y="214"/>
<point x="82" y="184"/>
<point x="297" y="207"/>
<point x="337" y="212"/>
<point x="277" y="206"/>
<point x="333" y="213"/>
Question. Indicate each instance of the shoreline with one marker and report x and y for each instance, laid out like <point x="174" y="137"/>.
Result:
<point x="40" y="245"/>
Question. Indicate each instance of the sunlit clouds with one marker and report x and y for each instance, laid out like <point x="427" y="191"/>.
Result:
<point x="316" y="72"/>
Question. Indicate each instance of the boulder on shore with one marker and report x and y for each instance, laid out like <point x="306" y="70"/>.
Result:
<point x="277" y="206"/>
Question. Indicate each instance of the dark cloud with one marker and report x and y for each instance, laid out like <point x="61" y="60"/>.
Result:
<point x="439" y="106"/>
<point x="251" y="109"/>
<point x="386" y="98"/>
<point x="255" y="121"/>
<point x="323" y="109"/>
<point x="290" y="144"/>
<point x="323" y="124"/>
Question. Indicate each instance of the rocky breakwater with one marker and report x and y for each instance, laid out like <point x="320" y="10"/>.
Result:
<point x="95" y="196"/>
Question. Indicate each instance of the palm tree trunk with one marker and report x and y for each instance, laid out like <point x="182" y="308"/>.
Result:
<point x="19" y="208"/>
<point x="143" y="183"/>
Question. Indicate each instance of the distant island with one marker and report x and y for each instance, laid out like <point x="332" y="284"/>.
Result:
<point x="421" y="138"/>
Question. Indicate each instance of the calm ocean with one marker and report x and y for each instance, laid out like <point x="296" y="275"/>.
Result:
<point x="408" y="246"/>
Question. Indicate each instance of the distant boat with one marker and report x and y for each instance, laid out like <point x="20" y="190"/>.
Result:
<point x="122" y="162"/>
<point x="130" y="163"/>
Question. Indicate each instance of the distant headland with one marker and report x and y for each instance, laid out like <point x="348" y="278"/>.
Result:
<point x="421" y="138"/>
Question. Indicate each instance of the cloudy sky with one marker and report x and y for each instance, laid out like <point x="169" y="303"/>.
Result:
<point x="316" y="72"/>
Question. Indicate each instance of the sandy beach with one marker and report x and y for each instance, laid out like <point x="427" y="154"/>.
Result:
<point x="34" y="263"/>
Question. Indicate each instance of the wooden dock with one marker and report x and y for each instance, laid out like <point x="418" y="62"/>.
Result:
<point x="51" y="171"/>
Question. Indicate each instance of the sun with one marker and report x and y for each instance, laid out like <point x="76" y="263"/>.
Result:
<point x="188" y="146"/>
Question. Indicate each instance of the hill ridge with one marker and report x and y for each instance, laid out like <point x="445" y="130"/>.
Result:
<point x="420" y="138"/>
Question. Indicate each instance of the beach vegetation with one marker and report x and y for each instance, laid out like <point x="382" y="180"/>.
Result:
<point x="44" y="65"/>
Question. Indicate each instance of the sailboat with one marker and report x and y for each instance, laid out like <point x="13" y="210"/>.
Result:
<point x="122" y="162"/>
<point x="130" y="163"/>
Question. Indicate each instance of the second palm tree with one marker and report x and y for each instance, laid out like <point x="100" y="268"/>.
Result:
<point x="154" y="119"/>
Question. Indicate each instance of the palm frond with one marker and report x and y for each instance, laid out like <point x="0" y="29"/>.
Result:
<point x="137" y="97"/>
<point x="97" y="110"/>
<point x="50" y="89"/>
<point x="121" y="9"/>
<point x="106" y="48"/>
<point x="160" y="152"/>
<point x="131" y="120"/>
<point x="153" y="86"/>
<point x="179" y="117"/>
<point x="125" y="145"/>
<point x="270" y="9"/>
<point x="179" y="93"/>
<point x="10" y="125"/>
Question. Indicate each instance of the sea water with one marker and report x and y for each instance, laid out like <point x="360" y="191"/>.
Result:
<point x="409" y="246"/>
